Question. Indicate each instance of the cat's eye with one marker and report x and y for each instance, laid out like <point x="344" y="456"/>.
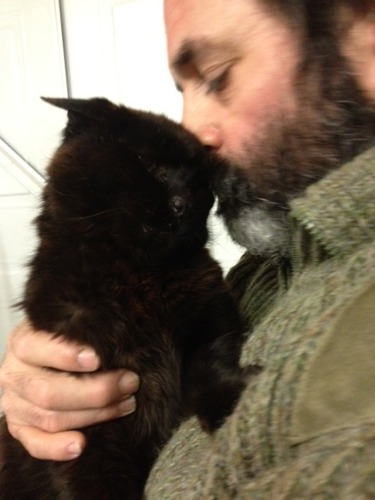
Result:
<point x="159" y="172"/>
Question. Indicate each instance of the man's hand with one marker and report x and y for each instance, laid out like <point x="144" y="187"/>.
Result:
<point x="43" y="406"/>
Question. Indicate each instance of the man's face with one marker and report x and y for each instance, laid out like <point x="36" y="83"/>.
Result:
<point x="251" y="98"/>
<point x="235" y="66"/>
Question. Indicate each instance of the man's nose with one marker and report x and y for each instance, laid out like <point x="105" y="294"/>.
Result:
<point x="201" y="121"/>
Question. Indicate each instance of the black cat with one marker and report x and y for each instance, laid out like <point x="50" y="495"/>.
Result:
<point x="121" y="266"/>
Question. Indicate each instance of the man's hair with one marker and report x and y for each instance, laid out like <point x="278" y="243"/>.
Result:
<point x="317" y="17"/>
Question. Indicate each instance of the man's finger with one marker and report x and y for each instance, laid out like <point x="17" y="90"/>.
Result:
<point x="43" y="445"/>
<point x="60" y="391"/>
<point x="43" y="349"/>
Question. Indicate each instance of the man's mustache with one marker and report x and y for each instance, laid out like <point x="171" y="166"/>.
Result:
<point x="234" y="190"/>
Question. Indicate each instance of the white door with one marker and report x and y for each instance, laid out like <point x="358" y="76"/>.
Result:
<point x="32" y="65"/>
<point x="19" y="190"/>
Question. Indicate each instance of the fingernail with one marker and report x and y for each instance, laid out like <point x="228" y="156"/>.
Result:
<point x="74" y="450"/>
<point x="87" y="358"/>
<point x="129" y="383"/>
<point x="127" y="406"/>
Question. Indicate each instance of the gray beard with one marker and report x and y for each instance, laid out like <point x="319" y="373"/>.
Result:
<point x="260" y="225"/>
<point x="257" y="224"/>
<point x="260" y="231"/>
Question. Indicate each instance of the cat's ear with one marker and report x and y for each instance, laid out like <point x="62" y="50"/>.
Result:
<point x="83" y="111"/>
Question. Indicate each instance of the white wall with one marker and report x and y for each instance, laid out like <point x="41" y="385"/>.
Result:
<point x="119" y="52"/>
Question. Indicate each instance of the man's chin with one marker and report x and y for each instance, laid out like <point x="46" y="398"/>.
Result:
<point x="257" y="221"/>
<point x="261" y="230"/>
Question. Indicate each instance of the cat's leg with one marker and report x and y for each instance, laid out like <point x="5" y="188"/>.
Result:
<point x="213" y="379"/>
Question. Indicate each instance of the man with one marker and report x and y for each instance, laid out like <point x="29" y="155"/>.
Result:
<point x="284" y="91"/>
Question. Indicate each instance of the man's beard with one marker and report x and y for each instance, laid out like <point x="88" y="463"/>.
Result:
<point x="333" y="125"/>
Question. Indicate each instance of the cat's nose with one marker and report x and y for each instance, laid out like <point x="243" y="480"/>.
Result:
<point x="178" y="205"/>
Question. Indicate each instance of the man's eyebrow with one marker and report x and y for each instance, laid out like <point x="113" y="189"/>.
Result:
<point x="191" y="51"/>
<point x="185" y="55"/>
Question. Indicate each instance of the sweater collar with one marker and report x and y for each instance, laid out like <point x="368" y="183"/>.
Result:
<point x="338" y="212"/>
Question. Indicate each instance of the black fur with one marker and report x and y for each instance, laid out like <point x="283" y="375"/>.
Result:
<point x="121" y="266"/>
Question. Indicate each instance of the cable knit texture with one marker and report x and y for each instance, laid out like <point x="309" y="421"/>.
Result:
<point x="305" y="426"/>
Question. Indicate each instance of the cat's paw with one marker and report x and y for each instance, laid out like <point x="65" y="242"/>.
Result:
<point x="214" y="402"/>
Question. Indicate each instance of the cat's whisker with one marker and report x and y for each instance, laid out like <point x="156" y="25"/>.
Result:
<point x="66" y="195"/>
<point x="97" y="214"/>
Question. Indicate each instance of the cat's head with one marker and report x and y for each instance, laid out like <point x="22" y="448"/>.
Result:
<point x="132" y="178"/>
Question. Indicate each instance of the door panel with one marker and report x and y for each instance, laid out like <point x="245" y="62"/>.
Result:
<point x="19" y="200"/>
<point x="32" y="65"/>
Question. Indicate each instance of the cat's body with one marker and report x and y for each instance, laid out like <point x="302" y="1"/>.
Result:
<point x="121" y="266"/>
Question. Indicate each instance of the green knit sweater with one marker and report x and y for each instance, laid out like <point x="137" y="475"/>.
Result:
<point x="305" y="426"/>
